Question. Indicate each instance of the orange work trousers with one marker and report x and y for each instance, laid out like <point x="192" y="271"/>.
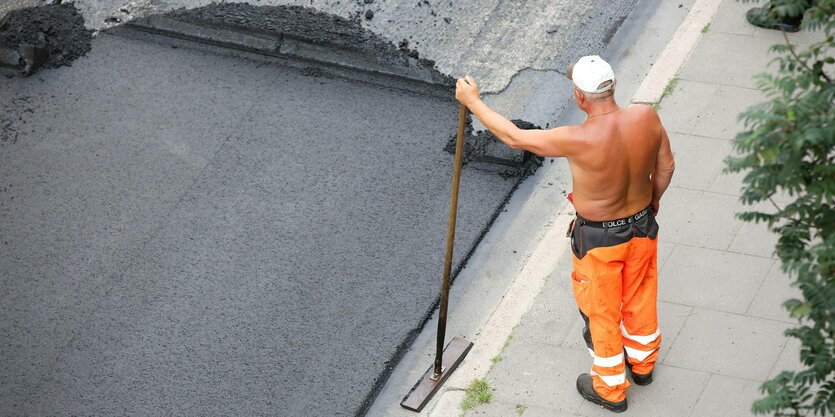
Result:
<point x="615" y="283"/>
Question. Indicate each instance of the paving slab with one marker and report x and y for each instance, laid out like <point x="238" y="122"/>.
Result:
<point x="754" y="239"/>
<point x="730" y="183"/>
<point x="683" y="107"/>
<point x="540" y="375"/>
<point x="699" y="161"/>
<point x="720" y="119"/>
<point x="555" y="321"/>
<point x="706" y="107"/>
<point x="727" y="397"/>
<point x="734" y="278"/>
<point x="728" y="344"/>
<point x="736" y="69"/>
<point x="498" y="408"/>
<point x="731" y="19"/>
<point x="674" y="392"/>
<point x="789" y="359"/>
<point x="774" y="291"/>
<point x="671" y="319"/>
<point x="698" y="218"/>
<point x="665" y="249"/>
<point x="551" y="318"/>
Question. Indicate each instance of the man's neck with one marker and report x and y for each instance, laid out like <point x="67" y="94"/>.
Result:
<point x="602" y="109"/>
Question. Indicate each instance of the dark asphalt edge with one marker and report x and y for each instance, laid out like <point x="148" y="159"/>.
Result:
<point x="331" y="59"/>
<point x="408" y="341"/>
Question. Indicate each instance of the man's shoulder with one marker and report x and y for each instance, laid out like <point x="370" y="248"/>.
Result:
<point x="644" y="115"/>
<point x="642" y="110"/>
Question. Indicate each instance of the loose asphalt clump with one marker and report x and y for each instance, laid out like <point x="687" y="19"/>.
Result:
<point x="486" y="147"/>
<point x="308" y="24"/>
<point x="48" y="36"/>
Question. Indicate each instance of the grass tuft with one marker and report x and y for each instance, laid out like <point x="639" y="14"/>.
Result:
<point x="510" y="337"/>
<point x="477" y="393"/>
<point x="520" y="409"/>
<point x="496" y="359"/>
<point x="670" y="87"/>
<point x="706" y="28"/>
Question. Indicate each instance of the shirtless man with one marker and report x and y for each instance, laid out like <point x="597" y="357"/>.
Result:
<point x="621" y="164"/>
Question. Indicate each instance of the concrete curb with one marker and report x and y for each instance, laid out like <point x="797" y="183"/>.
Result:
<point x="671" y="60"/>
<point x="408" y="74"/>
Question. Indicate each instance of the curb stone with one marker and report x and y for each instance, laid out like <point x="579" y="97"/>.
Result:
<point x="671" y="60"/>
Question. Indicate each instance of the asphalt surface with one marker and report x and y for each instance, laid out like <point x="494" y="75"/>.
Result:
<point x="190" y="234"/>
<point x="186" y="233"/>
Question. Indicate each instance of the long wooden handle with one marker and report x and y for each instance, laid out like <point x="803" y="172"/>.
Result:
<point x="450" y="241"/>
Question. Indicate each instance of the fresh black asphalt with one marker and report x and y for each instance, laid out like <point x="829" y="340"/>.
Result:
<point x="185" y="233"/>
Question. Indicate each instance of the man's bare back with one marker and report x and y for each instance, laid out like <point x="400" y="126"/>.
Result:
<point x="620" y="158"/>
<point x="612" y="175"/>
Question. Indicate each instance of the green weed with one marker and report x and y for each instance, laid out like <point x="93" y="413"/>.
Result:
<point x="477" y="393"/>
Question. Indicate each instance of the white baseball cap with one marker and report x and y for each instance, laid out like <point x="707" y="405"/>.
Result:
<point x="592" y="74"/>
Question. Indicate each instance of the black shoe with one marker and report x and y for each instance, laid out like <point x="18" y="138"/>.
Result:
<point x="642" y="379"/>
<point x="586" y="389"/>
<point x="639" y="379"/>
<point x="761" y="17"/>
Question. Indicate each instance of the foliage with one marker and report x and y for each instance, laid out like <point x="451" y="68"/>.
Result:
<point x="477" y="393"/>
<point x="788" y="150"/>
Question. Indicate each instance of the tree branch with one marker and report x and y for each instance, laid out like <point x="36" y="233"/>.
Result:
<point x="797" y="58"/>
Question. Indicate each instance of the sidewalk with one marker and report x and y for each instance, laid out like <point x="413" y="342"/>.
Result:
<point x="721" y="289"/>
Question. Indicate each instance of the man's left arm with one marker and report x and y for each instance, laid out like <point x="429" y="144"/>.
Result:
<point x="553" y="142"/>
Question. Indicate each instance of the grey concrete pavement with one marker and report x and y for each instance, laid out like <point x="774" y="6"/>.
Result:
<point x="721" y="288"/>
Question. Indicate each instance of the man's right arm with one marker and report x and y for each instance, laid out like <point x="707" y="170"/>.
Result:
<point x="665" y="165"/>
